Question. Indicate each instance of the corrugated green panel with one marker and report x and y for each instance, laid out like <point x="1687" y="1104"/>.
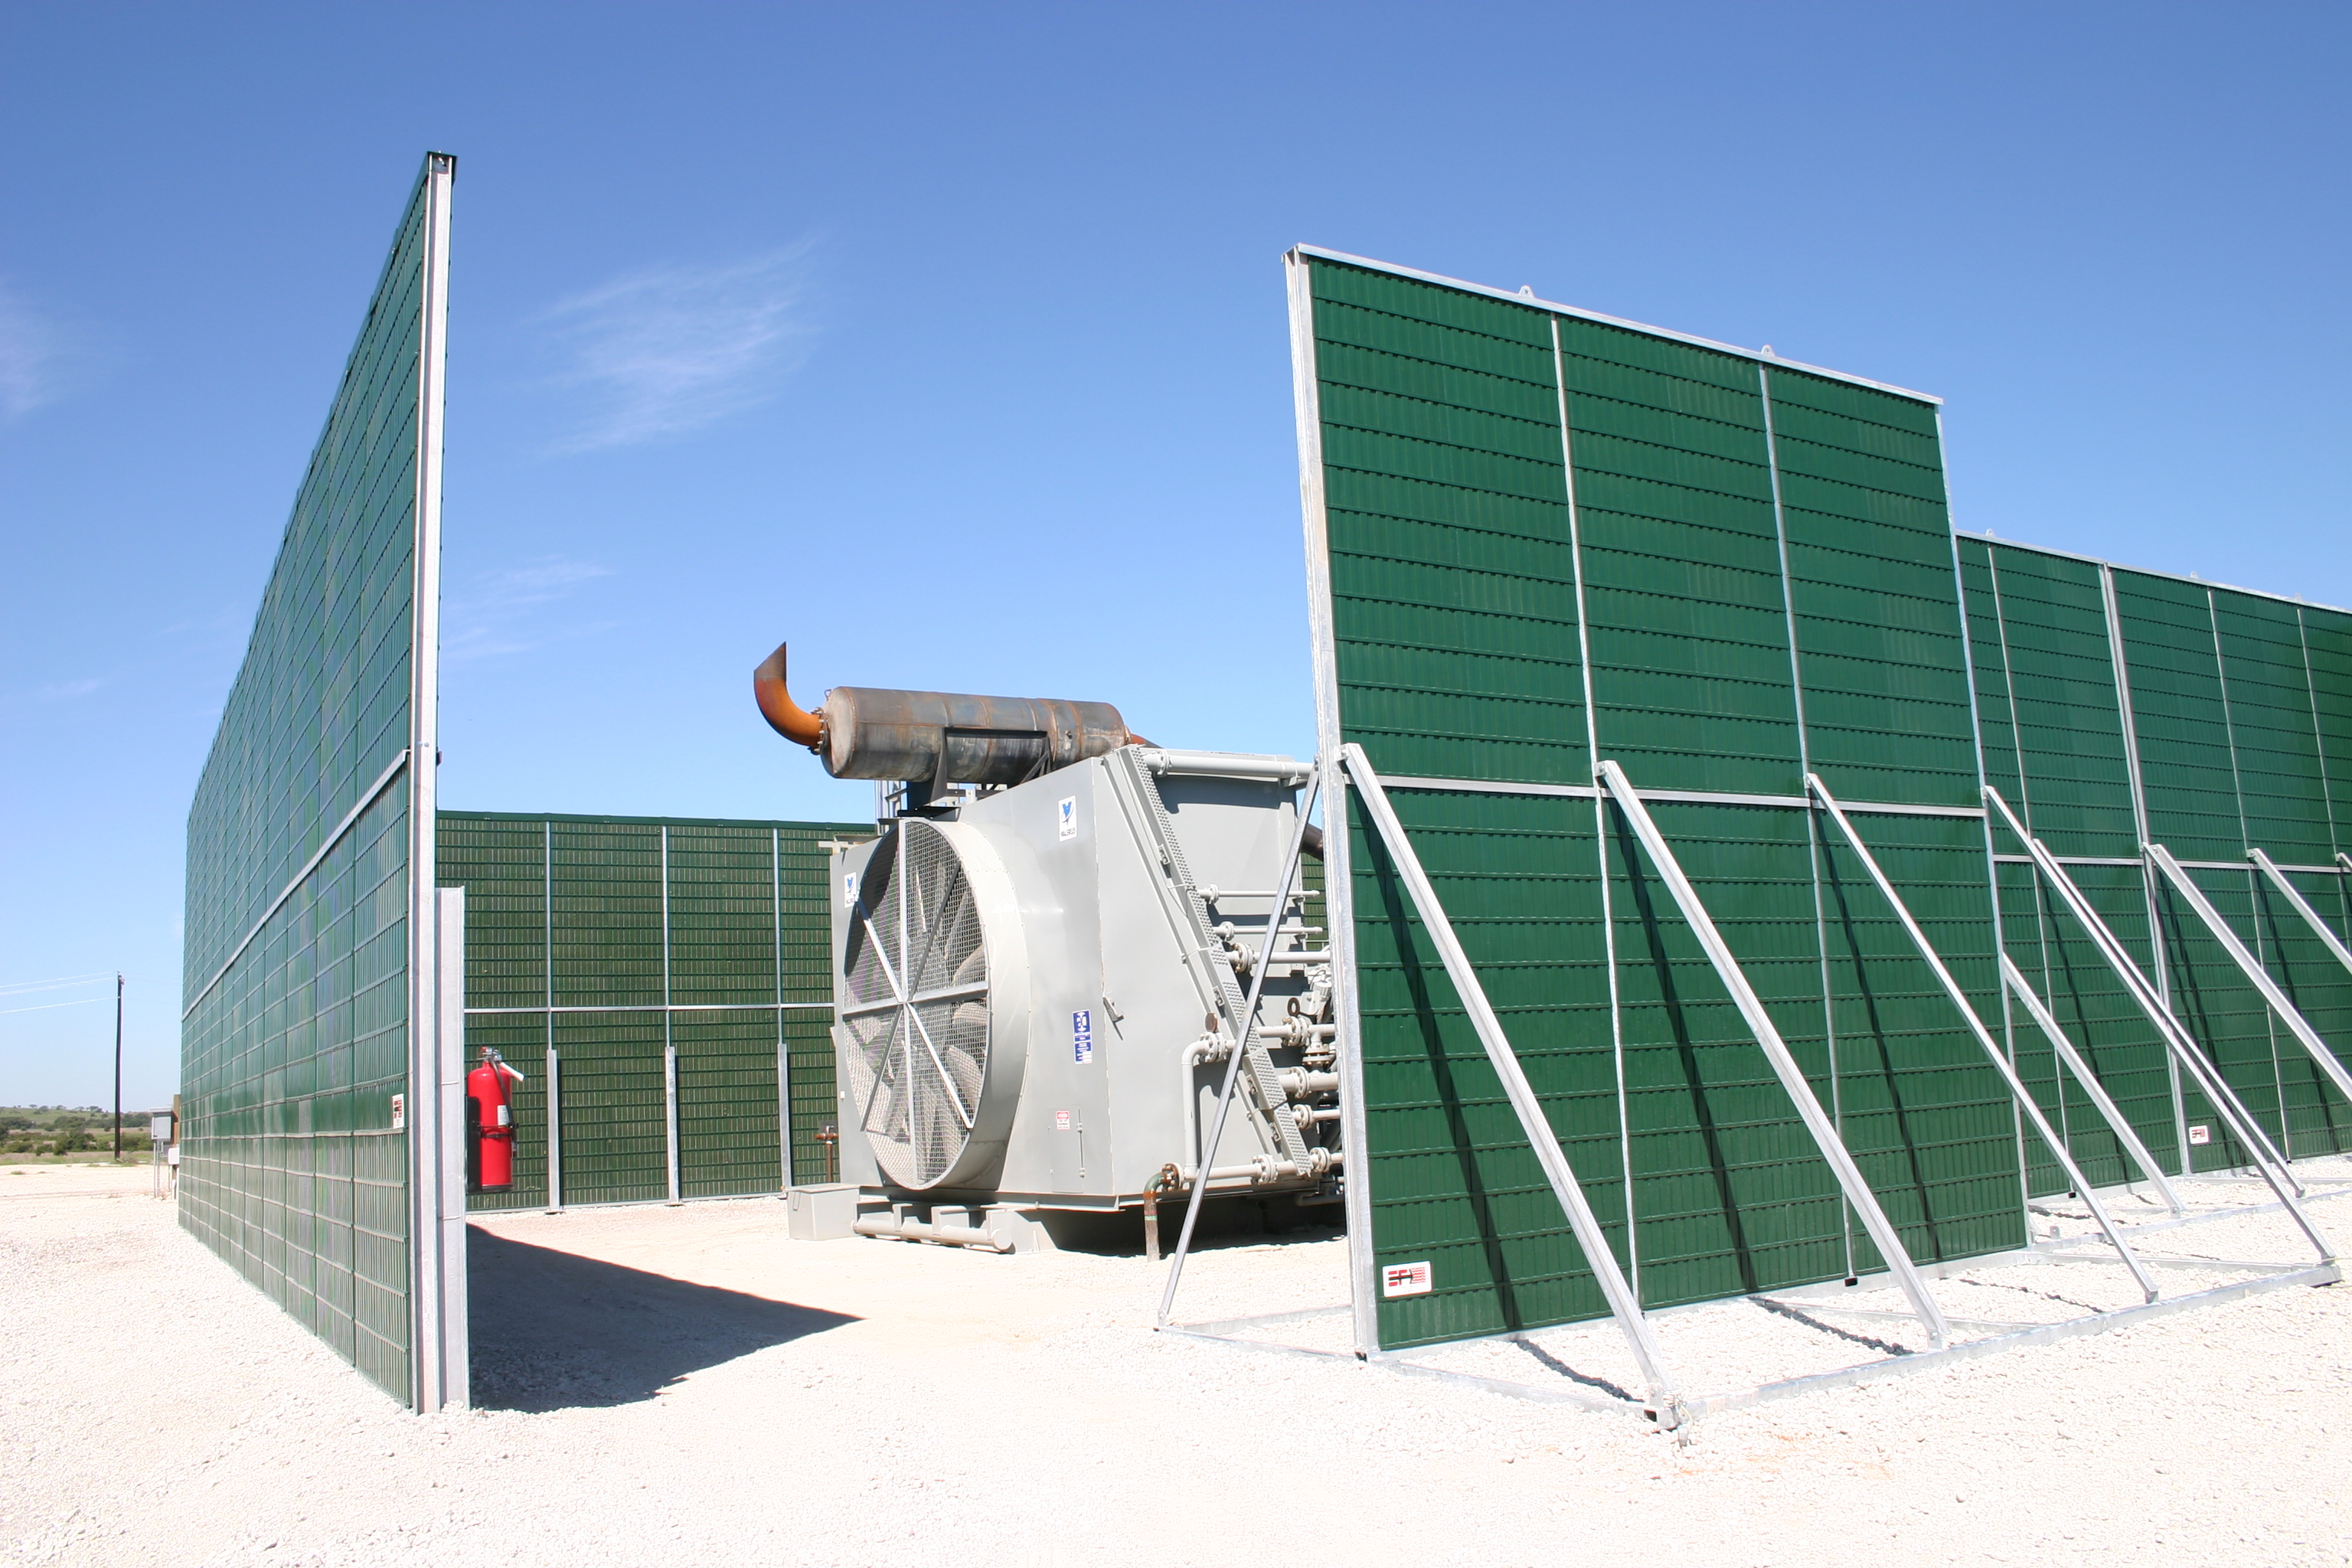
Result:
<point x="608" y="915"/>
<point x="1879" y="635"/>
<point x="726" y="1105"/>
<point x="290" y="1061"/>
<point x="502" y="865"/>
<point x="722" y="916"/>
<point x="2051" y="730"/>
<point x="1689" y="636"/>
<point x="1453" y="1179"/>
<point x="2273" y="734"/>
<point x="616" y="1112"/>
<point x="1443" y="471"/>
<point x="1733" y="1195"/>
<point x="2187" y="770"/>
<point x="2328" y="652"/>
<point x="2317" y="1120"/>
<point x="808" y="1044"/>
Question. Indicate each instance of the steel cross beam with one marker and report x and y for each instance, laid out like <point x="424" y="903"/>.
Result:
<point x="1664" y="1402"/>
<point x="2084" y="1075"/>
<point x="2267" y="1160"/>
<point x="2289" y="1014"/>
<point x="1983" y="1036"/>
<point x="2311" y="916"/>
<point x="1776" y="1050"/>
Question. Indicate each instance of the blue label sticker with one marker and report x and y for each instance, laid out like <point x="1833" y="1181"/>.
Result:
<point x="1082" y="1036"/>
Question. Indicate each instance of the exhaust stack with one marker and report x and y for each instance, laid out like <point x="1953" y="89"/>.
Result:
<point x="939" y="738"/>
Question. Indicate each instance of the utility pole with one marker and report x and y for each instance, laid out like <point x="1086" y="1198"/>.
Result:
<point x="118" y="1067"/>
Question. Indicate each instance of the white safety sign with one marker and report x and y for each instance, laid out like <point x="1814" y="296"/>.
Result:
<point x="1405" y="1279"/>
<point x="1082" y="1036"/>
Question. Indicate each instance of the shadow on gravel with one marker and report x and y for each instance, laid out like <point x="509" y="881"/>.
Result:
<point x="553" y="1331"/>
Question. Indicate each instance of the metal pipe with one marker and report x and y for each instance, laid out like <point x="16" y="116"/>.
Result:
<point x="1189" y="1097"/>
<point x="2117" y="1121"/>
<point x="922" y="1230"/>
<point x="1267" y="1168"/>
<point x="783" y="715"/>
<point x="1227" y="765"/>
<point x="1776" y="1051"/>
<point x="1983" y="1036"/>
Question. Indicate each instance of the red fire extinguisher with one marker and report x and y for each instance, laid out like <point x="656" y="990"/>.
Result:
<point x="490" y="1124"/>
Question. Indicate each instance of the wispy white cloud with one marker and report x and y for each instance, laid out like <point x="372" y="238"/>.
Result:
<point x="657" y="353"/>
<point x="67" y="691"/>
<point x="504" y="612"/>
<point x="32" y="349"/>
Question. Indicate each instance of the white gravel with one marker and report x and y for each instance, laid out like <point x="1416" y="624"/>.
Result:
<point x="686" y="1385"/>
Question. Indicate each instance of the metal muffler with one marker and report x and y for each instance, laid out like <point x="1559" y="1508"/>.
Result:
<point x="940" y="737"/>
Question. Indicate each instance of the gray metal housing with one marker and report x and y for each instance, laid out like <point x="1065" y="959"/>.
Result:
<point x="1112" y="988"/>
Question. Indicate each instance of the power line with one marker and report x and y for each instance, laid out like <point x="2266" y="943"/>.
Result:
<point x="44" y="1007"/>
<point x="26" y="987"/>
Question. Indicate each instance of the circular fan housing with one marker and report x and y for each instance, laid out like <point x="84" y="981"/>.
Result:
<point x="935" y="1057"/>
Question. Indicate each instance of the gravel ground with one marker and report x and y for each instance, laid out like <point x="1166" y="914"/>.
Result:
<point x="662" y="1381"/>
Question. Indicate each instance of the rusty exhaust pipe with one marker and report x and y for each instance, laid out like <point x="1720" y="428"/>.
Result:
<point x="939" y="737"/>
<point x="783" y="715"/>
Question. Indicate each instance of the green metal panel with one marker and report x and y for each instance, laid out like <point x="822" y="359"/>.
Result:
<point x="291" y="1058"/>
<point x="726" y="1105"/>
<point x="608" y="914"/>
<point x="616" y="1123"/>
<point x="1456" y="441"/>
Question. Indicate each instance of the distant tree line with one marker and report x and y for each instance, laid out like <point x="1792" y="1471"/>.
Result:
<point x="68" y="1130"/>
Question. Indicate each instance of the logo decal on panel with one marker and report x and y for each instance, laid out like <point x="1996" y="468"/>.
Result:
<point x="1069" y="807"/>
<point x="1405" y="1279"/>
<point x="1082" y="1036"/>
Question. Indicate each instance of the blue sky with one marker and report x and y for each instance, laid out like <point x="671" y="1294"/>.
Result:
<point x="949" y="343"/>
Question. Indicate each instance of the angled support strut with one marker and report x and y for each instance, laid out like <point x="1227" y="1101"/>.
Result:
<point x="1776" y="1050"/>
<point x="1623" y="1304"/>
<point x="2333" y="943"/>
<point x="2251" y="968"/>
<point x="1984" y="1039"/>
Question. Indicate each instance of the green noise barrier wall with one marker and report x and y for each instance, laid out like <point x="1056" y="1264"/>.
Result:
<point x="1539" y="538"/>
<point x="2119" y="708"/>
<point x="303" y="975"/>
<point x="668" y="976"/>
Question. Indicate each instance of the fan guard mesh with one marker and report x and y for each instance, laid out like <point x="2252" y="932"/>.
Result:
<point x="916" y="1005"/>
